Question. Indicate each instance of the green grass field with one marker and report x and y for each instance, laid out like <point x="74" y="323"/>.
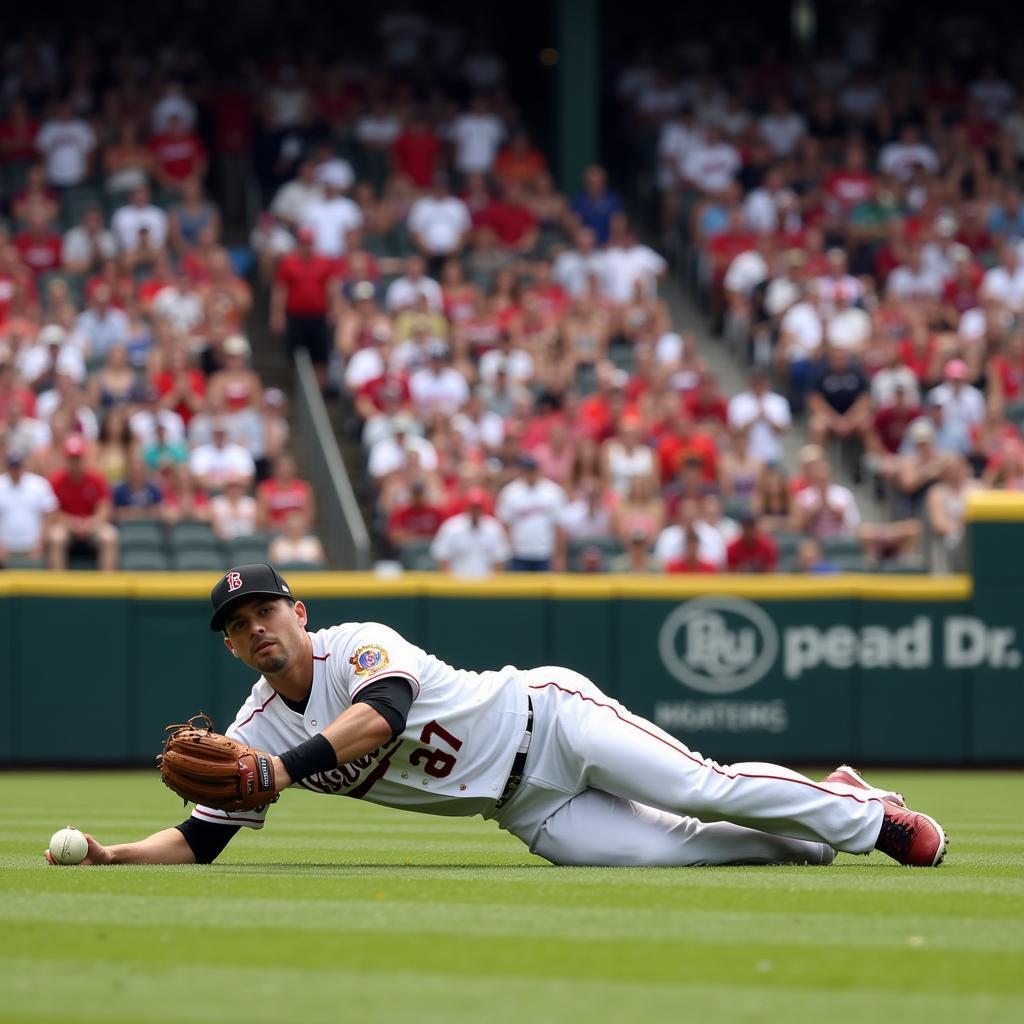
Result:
<point x="340" y="911"/>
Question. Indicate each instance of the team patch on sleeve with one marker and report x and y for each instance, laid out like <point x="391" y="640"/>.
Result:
<point x="368" y="659"/>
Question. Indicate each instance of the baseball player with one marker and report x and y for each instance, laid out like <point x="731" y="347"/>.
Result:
<point x="356" y="710"/>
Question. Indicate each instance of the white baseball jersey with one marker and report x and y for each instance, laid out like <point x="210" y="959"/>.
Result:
<point x="455" y="755"/>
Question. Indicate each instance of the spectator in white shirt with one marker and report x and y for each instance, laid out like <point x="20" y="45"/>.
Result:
<point x="901" y="157"/>
<point x="331" y="219"/>
<point x="406" y="291"/>
<point x="213" y="465"/>
<point x="516" y="363"/>
<point x="471" y="544"/>
<point x="574" y="267"/>
<point x="143" y="422"/>
<point x="823" y="508"/>
<point x="52" y="354"/>
<point x="173" y="103"/>
<point x="764" y="414"/>
<point x="334" y="171"/>
<point x="103" y="324"/>
<point x="912" y="281"/>
<point x="963" y="406"/>
<point x="139" y="215"/>
<point x="438" y="387"/>
<point x="529" y="507"/>
<point x="478" y="426"/>
<point x="713" y="164"/>
<point x="627" y="263"/>
<point x="86" y="245"/>
<point x="672" y="539"/>
<point x="27" y="504"/>
<point x="782" y="128"/>
<point x="294" y="197"/>
<point x="67" y="144"/>
<point x="1004" y="283"/>
<point x="439" y="223"/>
<point x="476" y="136"/>
<point x="401" y="450"/>
<point x="233" y="512"/>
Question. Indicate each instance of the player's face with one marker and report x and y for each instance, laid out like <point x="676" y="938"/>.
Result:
<point x="266" y="633"/>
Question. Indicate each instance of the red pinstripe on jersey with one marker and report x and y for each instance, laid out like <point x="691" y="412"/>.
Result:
<point x="697" y="760"/>
<point x="257" y="711"/>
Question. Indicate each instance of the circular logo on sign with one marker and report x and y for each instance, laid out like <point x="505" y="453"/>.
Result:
<point x="718" y="644"/>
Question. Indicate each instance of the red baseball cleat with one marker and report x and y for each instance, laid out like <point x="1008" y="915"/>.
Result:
<point x="851" y="777"/>
<point x="911" y="838"/>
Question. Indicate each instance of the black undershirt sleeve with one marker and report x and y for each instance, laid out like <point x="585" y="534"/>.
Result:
<point x="391" y="697"/>
<point x="206" y="839"/>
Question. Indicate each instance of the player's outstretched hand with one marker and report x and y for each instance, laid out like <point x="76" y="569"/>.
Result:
<point x="98" y="854"/>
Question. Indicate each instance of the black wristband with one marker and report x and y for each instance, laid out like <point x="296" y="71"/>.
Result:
<point x="205" y="838"/>
<point x="311" y="756"/>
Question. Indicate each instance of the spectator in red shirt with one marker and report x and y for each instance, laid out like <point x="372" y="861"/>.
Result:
<point x="178" y="154"/>
<point x="705" y="401"/>
<point x="510" y="219"/>
<point x="39" y="246"/>
<point x="690" y="561"/>
<point x="752" y="550"/>
<point x="83" y="521"/>
<point x="181" y="386"/>
<point x="519" y="163"/>
<point x="848" y="185"/>
<point x="416" y="151"/>
<point x="300" y="300"/>
<point x="683" y="444"/>
<point x="17" y="285"/>
<point x="18" y="134"/>
<point x="282" y="494"/>
<point x="417" y="519"/>
<point x="232" y="109"/>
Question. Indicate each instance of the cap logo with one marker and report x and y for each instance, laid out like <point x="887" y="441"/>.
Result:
<point x="234" y="581"/>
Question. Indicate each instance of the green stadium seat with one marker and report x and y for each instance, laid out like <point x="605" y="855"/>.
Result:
<point x="24" y="562"/>
<point x="199" y="560"/>
<point x="840" y="547"/>
<point x="190" y="536"/>
<point x="736" y="507"/>
<point x="141" y="533"/>
<point x="144" y="560"/>
<point x="849" y="562"/>
<point x="251" y="548"/>
<point x="608" y="546"/>
<point x="300" y="566"/>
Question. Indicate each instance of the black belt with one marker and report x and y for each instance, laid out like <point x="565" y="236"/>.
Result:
<point x="515" y="777"/>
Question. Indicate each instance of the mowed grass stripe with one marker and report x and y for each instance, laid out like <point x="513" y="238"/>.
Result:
<point x="859" y="877"/>
<point x="429" y="946"/>
<point x="528" y="923"/>
<point x="42" y="990"/>
<point x="571" y="889"/>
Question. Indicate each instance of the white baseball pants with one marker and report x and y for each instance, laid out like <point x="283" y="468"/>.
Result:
<point x="603" y="786"/>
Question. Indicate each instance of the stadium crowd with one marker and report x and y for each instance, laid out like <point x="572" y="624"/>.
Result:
<point x="133" y="431"/>
<point x="854" y="225"/>
<point x="520" y="392"/>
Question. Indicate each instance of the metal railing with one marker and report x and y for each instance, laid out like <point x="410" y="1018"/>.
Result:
<point x="342" y="529"/>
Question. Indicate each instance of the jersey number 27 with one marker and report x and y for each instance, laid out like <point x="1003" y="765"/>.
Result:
<point x="437" y="763"/>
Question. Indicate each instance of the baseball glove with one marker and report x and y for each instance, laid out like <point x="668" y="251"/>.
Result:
<point x="207" y="768"/>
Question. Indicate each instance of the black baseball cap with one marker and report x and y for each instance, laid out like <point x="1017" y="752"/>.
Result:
<point x="257" y="579"/>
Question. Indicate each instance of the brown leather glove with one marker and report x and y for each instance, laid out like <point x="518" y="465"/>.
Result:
<point x="207" y="768"/>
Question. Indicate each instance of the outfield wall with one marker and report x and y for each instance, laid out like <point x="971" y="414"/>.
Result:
<point x="860" y="668"/>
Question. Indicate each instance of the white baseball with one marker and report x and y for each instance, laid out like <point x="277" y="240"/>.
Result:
<point x="68" y="846"/>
